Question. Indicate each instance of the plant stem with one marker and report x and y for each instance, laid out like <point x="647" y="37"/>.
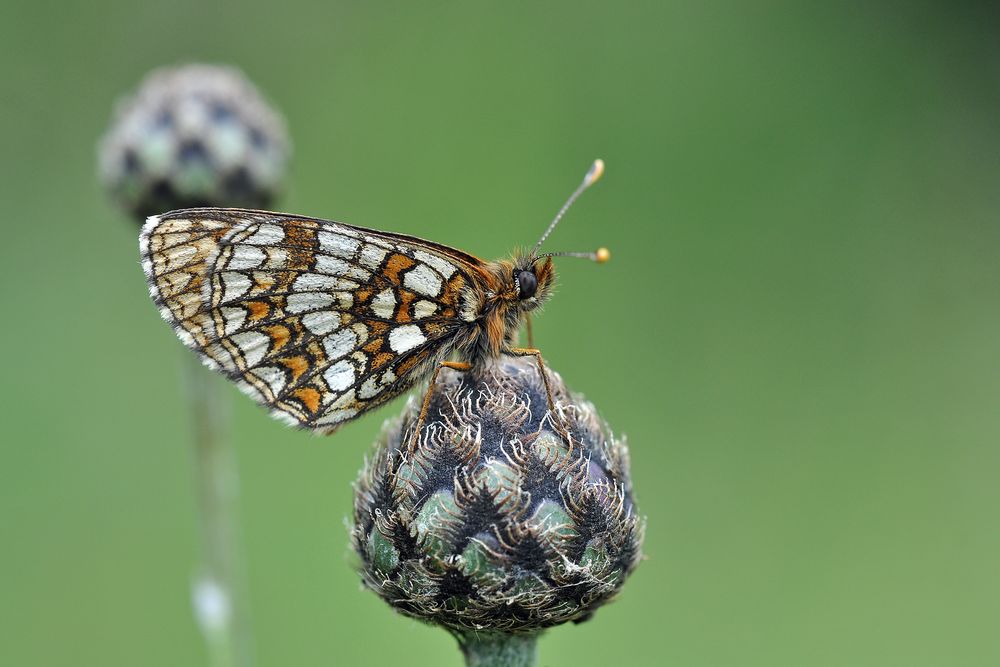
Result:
<point x="217" y="595"/>
<point x="498" y="650"/>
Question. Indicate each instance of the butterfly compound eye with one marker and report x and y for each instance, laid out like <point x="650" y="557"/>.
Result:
<point x="527" y="284"/>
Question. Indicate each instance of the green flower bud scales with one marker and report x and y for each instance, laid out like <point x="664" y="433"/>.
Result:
<point x="501" y="515"/>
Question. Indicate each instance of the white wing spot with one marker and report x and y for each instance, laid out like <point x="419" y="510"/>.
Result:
<point x="338" y="267"/>
<point x="340" y="343"/>
<point x="439" y="264"/>
<point x="321" y="323"/>
<point x="422" y="279"/>
<point x="253" y="345"/>
<point x="331" y="266"/>
<point x="384" y="304"/>
<point x="234" y="285"/>
<point x="372" y="256"/>
<point x="315" y="282"/>
<point x="405" y="338"/>
<point x="266" y="234"/>
<point x="337" y="245"/>
<point x="304" y="301"/>
<point x="339" y="376"/>
<point x="423" y="308"/>
<point x="346" y="300"/>
<point x="277" y="258"/>
<point x="357" y="273"/>
<point x="246" y="257"/>
<point x="234" y="318"/>
<point x="370" y="389"/>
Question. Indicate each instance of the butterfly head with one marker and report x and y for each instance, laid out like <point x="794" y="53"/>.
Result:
<point x="532" y="281"/>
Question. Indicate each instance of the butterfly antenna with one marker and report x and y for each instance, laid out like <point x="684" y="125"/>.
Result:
<point x="601" y="255"/>
<point x="593" y="174"/>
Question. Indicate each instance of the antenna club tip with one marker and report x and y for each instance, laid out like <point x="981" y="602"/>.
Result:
<point x="595" y="173"/>
<point x="602" y="255"/>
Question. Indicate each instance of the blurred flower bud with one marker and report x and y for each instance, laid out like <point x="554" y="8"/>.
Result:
<point x="196" y="135"/>
<point x="502" y="516"/>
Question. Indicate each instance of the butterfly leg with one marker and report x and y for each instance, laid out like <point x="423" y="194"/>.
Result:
<point x="455" y="365"/>
<point x="531" y="335"/>
<point x="537" y="354"/>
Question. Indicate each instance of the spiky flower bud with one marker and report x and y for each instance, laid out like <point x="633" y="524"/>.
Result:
<point x="196" y="135"/>
<point x="501" y="515"/>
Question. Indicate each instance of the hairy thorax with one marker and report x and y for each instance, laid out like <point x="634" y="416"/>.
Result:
<point x="493" y="311"/>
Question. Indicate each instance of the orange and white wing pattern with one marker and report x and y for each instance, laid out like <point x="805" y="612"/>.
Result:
<point x="317" y="320"/>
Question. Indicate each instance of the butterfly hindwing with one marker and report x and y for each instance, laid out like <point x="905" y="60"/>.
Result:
<point x="317" y="320"/>
<point x="174" y="256"/>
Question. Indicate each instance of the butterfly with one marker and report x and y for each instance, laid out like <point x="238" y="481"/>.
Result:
<point x="321" y="321"/>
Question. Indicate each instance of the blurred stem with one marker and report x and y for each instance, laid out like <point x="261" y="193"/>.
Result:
<point x="217" y="596"/>
<point x="498" y="650"/>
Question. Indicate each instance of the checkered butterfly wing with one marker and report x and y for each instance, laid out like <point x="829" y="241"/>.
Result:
<point x="317" y="320"/>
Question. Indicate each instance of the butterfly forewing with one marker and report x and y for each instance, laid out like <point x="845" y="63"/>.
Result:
<point x="318" y="320"/>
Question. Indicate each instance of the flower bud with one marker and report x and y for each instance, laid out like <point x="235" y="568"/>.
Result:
<point x="501" y="514"/>
<point x="196" y="135"/>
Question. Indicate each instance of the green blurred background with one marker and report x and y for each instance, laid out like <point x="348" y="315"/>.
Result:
<point x="798" y="331"/>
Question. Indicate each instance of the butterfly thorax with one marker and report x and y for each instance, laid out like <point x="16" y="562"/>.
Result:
<point x="498" y="305"/>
